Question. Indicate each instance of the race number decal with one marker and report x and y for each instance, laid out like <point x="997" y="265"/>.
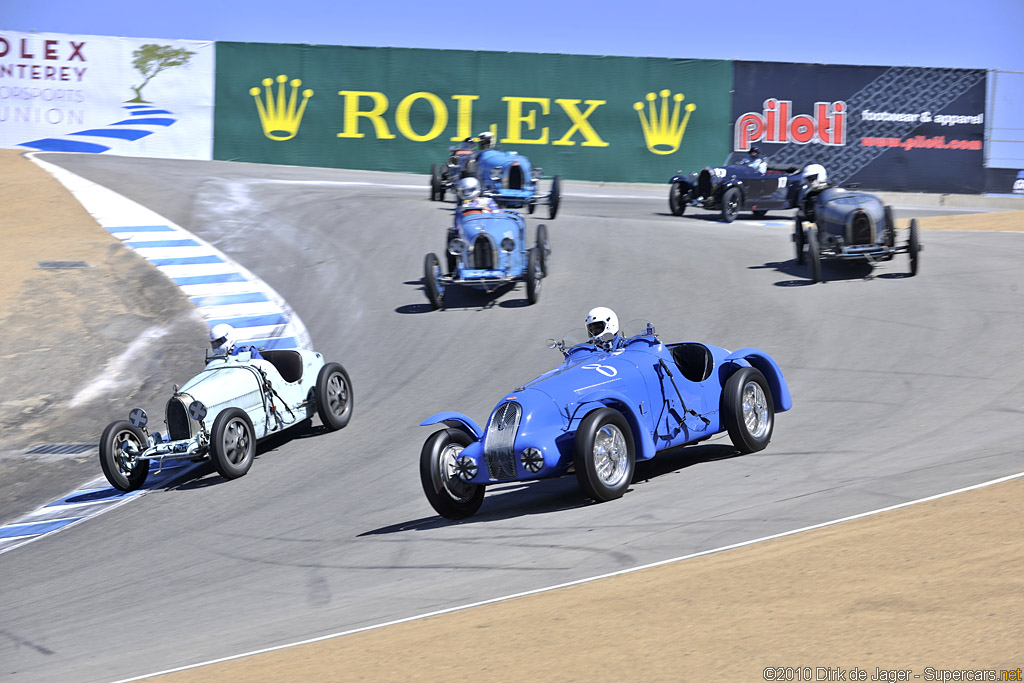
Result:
<point x="782" y="182"/>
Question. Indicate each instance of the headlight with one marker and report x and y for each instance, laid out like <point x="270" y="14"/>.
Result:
<point x="457" y="246"/>
<point x="496" y="173"/>
<point x="465" y="468"/>
<point x="508" y="244"/>
<point x="533" y="460"/>
<point x="536" y="173"/>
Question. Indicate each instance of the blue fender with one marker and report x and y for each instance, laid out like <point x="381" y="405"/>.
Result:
<point x="770" y="369"/>
<point x="455" y="421"/>
<point x="629" y="409"/>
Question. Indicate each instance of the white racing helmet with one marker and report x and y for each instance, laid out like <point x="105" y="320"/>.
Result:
<point x="222" y="338"/>
<point x="602" y="324"/>
<point x="467" y="188"/>
<point x="815" y="175"/>
<point x="486" y="139"/>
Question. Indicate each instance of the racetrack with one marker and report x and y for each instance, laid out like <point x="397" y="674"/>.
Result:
<point x="902" y="387"/>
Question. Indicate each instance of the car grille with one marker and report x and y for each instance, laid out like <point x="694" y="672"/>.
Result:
<point x="515" y="177"/>
<point x="499" y="451"/>
<point x="704" y="183"/>
<point x="484" y="252"/>
<point x="178" y="425"/>
<point x="860" y="229"/>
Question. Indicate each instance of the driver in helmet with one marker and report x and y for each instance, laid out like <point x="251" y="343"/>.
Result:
<point x="602" y="326"/>
<point x="222" y="341"/>
<point x="486" y="140"/>
<point x="755" y="161"/>
<point x="470" y="200"/>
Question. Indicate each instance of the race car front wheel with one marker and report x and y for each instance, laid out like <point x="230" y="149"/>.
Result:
<point x="334" y="396"/>
<point x="232" y="443"/>
<point x="533" y="276"/>
<point x="748" y="410"/>
<point x="117" y="445"/>
<point x="451" y="497"/>
<point x="604" y="455"/>
<point x="730" y="204"/>
<point x="675" y="200"/>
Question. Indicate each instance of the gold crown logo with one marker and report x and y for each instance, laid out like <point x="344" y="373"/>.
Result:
<point x="279" y="116"/>
<point x="662" y="132"/>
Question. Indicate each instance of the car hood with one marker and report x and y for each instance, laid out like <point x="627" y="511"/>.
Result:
<point x="586" y="373"/>
<point x="222" y="382"/>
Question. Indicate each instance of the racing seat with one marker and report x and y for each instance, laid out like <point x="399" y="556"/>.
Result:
<point x="287" y="361"/>
<point x="694" y="360"/>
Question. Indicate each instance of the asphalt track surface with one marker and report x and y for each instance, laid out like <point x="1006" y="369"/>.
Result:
<point x="902" y="388"/>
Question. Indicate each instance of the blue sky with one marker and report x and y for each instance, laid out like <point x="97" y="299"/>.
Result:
<point x="964" y="33"/>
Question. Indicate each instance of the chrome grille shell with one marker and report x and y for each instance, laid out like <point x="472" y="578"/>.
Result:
<point x="179" y="426"/>
<point x="861" y="228"/>
<point x="485" y="252"/>
<point x="499" y="442"/>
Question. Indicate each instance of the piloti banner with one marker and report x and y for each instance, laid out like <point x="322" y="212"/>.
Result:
<point x="397" y="109"/>
<point x="96" y="94"/>
<point x="884" y="128"/>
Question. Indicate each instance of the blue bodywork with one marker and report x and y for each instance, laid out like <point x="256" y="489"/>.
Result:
<point x="631" y="378"/>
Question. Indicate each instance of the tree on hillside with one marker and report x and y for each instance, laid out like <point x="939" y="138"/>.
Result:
<point x="150" y="59"/>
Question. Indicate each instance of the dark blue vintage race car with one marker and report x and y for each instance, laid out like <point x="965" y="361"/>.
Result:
<point x="738" y="185"/>
<point x="599" y="412"/>
<point x="507" y="177"/>
<point x="485" y="250"/>
<point x="848" y="226"/>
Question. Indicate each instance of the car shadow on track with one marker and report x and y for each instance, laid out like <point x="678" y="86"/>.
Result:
<point x="458" y="297"/>
<point x="519" y="499"/>
<point x="832" y="271"/>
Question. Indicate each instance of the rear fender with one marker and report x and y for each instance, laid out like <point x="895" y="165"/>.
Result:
<point x="645" y="448"/>
<point x="455" y="421"/>
<point x="756" y="358"/>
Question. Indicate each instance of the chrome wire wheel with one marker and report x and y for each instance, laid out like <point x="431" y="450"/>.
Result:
<point x="610" y="455"/>
<point x="459" y="490"/>
<point x="756" y="415"/>
<point x="126" y="444"/>
<point x="337" y="395"/>
<point x="236" y="441"/>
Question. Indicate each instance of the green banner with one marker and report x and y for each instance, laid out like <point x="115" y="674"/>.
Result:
<point x="396" y="109"/>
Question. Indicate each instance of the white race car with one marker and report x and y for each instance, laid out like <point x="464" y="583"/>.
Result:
<point x="223" y="411"/>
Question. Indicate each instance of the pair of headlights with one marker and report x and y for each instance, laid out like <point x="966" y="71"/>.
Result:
<point x="531" y="459"/>
<point x="459" y="246"/>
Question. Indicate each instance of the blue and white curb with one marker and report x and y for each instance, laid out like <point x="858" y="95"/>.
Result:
<point x="143" y="120"/>
<point x="224" y="291"/>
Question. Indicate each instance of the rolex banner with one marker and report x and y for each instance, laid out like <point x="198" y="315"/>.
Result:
<point x="125" y="96"/>
<point x="398" y="109"/>
<point x="884" y="128"/>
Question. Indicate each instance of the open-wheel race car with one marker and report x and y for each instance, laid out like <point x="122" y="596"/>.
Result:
<point x="507" y="177"/>
<point x="609" y="404"/>
<point x="223" y="411"/>
<point x="739" y="184"/>
<point x="487" y="250"/>
<point x="848" y="225"/>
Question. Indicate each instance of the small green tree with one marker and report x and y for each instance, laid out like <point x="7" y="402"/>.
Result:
<point x="149" y="60"/>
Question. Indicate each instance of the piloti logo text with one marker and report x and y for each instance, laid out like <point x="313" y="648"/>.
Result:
<point x="775" y="124"/>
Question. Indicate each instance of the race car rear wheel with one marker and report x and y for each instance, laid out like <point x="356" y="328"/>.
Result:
<point x="798" y="240"/>
<point x="556" y="197"/>
<point x="604" y="455"/>
<point x="543" y="249"/>
<point x="533" y="276"/>
<point x="232" y="443"/>
<point x="675" y="200"/>
<point x="431" y="274"/>
<point x="814" y="254"/>
<point x="730" y="204"/>
<point x="450" y="496"/>
<point x="435" y="183"/>
<point x="748" y="410"/>
<point x="334" y="398"/>
<point x="913" y="247"/>
<point x="122" y="470"/>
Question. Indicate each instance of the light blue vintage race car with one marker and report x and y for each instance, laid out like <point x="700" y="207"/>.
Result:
<point x="486" y="250"/>
<point x="599" y="412"/>
<point x="223" y="411"/>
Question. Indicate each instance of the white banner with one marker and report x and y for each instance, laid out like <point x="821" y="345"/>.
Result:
<point x="96" y="94"/>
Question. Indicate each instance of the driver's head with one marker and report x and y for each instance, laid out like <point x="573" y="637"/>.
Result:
<point x="222" y="338"/>
<point x="486" y="139"/>
<point x="755" y="152"/>
<point x="467" y="188"/>
<point x="602" y="324"/>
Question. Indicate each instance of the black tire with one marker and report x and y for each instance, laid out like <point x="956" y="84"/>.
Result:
<point x="543" y="248"/>
<point x="601" y="478"/>
<point x="890" y="227"/>
<point x="533" y="276"/>
<point x="760" y="213"/>
<point x="123" y="472"/>
<point x="730" y="204"/>
<point x="450" y="260"/>
<point x="814" y="254"/>
<point x="748" y="410"/>
<point x="913" y="247"/>
<point x="530" y="208"/>
<point x="675" y="200"/>
<point x="334" y="397"/>
<point x="431" y="271"/>
<point x="435" y="183"/>
<point x="798" y="240"/>
<point x="232" y="443"/>
<point x="556" y="197"/>
<point x="450" y="497"/>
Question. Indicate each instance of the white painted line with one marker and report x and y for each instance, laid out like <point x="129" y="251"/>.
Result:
<point x="578" y="582"/>
<point x="150" y="253"/>
<point x="220" y="288"/>
<point x="238" y="310"/>
<point x="197" y="269"/>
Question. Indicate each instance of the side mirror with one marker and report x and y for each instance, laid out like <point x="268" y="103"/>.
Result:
<point x="551" y="343"/>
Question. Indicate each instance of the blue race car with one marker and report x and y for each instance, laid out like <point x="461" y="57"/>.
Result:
<point x="486" y="250"/>
<point x="606" y="406"/>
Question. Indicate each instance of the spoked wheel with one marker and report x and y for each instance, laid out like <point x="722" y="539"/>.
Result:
<point x="556" y="197"/>
<point x="436" y="193"/>
<point x="533" y="276"/>
<point x="118" y="446"/>
<point x="890" y="227"/>
<point x="913" y="247"/>
<point x="431" y="281"/>
<point x="604" y="455"/>
<point x="748" y="410"/>
<point x="334" y="398"/>
<point x="543" y="249"/>
<point x="814" y="253"/>
<point x="730" y="204"/>
<point x="232" y="443"/>
<point x="675" y="200"/>
<point x="798" y="240"/>
<point x="450" y="496"/>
